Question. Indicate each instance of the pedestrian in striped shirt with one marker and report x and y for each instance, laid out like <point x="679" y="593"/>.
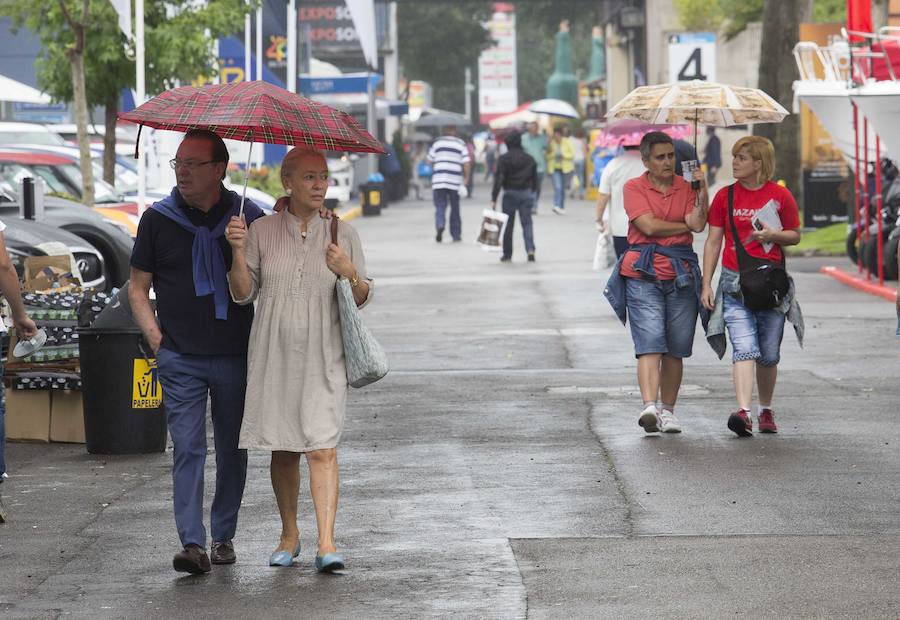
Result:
<point x="449" y="158"/>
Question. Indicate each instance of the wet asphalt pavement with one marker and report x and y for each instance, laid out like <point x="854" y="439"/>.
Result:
<point x="499" y="472"/>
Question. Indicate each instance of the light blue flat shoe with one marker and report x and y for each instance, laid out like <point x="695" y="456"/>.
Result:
<point x="284" y="558"/>
<point x="329" y="563"/>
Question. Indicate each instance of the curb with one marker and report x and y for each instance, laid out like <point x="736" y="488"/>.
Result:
<point x="349" y="214"/>
<point x="872" y="288"/>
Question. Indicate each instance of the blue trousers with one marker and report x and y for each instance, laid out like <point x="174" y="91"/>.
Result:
<point x="518" y="201"/>
<point x="442" y="198"/>
<point x="186" y="382"/>
<point x="560" y="185"/>
<point x="537" y="194"/>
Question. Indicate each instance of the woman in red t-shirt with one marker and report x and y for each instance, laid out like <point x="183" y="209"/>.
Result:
<point x="755" y="335"/>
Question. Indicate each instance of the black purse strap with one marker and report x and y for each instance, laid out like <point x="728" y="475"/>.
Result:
<point x="744" y="260"/>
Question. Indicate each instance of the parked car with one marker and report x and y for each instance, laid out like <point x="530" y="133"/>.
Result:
<point x="28" y="133"/>
<point x="26" y="238"/>
<point x="62" y="178"/>
<point x="340" y="178"/>
<point x="125" y="135"/>
<point x="111" y="239"/>
<point x="126" y="177"/>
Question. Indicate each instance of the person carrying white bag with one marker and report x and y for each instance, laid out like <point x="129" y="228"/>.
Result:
<point x="517" y="176"/>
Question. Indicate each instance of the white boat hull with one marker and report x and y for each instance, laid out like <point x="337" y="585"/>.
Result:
<point x="880" y="102"/>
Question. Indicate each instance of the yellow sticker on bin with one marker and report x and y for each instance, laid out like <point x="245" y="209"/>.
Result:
<point x="147" y="392"/>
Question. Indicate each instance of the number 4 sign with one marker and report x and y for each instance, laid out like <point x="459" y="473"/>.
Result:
<point x="692" y="56"/>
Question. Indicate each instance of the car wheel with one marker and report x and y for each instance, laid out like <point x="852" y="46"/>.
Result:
<point x="890" y="258"/>
<point x="110" y="269"/>
<point x="852" y="252"/>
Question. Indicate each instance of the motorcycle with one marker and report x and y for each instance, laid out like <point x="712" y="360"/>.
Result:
<point x="890" y="235"/>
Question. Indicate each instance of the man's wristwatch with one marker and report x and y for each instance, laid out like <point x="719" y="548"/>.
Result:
<point x="354" y="281"/>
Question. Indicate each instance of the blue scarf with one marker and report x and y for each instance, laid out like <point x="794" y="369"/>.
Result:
<point x="207" y="259"/>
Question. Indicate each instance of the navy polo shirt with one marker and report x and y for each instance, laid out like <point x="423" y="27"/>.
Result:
<point x="188" y="322"/>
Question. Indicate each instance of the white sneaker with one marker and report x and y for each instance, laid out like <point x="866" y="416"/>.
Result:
<point x="559" y="211"/>
<point x="649" y="419"/>
<point x="668" y="423"/>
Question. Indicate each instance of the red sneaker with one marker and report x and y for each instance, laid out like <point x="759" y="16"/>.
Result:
<point x="739" y="423"/>
<point x="767" y="421"/>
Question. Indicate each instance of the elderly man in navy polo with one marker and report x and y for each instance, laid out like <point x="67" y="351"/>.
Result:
<point x="200" y="341"/>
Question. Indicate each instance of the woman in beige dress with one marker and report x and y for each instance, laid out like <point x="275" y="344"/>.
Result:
<point x="296" y="379"/>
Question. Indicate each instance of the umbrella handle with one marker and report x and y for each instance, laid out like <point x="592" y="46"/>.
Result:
<point x="246" y="180"/>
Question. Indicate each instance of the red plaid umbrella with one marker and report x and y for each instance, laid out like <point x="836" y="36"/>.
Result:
<point x="254" y="112"/>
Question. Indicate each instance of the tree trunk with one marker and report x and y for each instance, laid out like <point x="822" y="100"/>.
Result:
<point x="75" y="55"/>
<point x="81" y="120"/>
<point x="777" y="72"/>
<point x="879" y="14"/>
<point x="109" y="139"/>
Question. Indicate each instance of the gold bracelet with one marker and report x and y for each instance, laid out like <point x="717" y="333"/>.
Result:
<point x="354" y="282"/>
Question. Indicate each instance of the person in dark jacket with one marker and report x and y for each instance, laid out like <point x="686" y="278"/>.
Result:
<point x="712" y="156"/>
<point x="517" y="176"/>
<point x="684" y="151"/>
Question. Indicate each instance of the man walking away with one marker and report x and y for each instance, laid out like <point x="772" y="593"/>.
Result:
<point x="517" y="176"/>
<point x="449" y="158"/>
<point x="621" y="169"/>
<point x="535" y="144"/>
<point x="712" y="156"/>
<point x="200" y="342"/>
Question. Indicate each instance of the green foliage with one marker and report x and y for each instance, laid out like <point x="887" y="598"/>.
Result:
<point x="176" y="42"/>
<point x="265" y="178"/>
<point x="537" y="23"/>
<point x="829" y="11"/>
<point x="700" y="15"/>
<point x="438" y="41"/>
<point x="827" y="241"/>
<point x="740" y="13"/>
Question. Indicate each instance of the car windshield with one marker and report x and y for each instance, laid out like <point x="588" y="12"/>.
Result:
<point x="53" y="183"/>
<point x="126" y="179"/>
<point x="103" y="192"/>
<point x="30" y="137"/>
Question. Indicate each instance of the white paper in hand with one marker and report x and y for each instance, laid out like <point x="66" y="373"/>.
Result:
<point x="769" y="217"/>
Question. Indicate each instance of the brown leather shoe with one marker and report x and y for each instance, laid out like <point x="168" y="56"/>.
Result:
<point x="192" y="559"/>
<point x="222" y="552"/>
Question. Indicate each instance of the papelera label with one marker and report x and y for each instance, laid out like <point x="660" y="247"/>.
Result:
<point x="146" y="392"/>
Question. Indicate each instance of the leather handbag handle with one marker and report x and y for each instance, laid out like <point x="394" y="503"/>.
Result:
<point x="334" y="228"/>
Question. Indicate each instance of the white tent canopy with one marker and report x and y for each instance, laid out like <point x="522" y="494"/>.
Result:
<point x="11" y="90"/>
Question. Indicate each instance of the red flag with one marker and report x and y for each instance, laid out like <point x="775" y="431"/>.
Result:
<point x="859" y="17"/>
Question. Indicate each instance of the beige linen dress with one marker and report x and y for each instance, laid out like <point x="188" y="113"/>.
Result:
<point x="296" y="379"/>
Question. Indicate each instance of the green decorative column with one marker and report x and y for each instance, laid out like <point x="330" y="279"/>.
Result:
<point x="598" y="56"/>
<point x="563" y="84"/>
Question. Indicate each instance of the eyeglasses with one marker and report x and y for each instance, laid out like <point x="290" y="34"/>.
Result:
<point x="189" y="164"/>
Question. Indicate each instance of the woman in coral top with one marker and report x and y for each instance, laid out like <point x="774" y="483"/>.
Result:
<point x="755" y="335"/>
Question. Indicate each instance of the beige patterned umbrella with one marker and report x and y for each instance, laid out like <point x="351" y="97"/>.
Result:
<point x="705" y="103"/>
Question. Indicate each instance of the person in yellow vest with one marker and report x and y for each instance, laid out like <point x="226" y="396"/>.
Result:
<point x="560" y="165"/>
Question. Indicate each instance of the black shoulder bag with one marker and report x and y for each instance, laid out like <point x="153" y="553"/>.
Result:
<point x="764" y="284"/>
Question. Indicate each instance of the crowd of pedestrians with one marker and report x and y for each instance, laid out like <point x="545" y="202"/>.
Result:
<point x="246" y="319"/>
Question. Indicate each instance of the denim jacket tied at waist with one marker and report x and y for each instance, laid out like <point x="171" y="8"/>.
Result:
<point x="677" y="255"/>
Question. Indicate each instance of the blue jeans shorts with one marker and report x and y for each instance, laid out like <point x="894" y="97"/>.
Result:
<point x="663" y="318"/>
<point x="754" y="335"/>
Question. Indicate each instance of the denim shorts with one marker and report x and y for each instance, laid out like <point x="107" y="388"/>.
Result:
<point x="754" y="335"/>
<point x="663" y="318"/>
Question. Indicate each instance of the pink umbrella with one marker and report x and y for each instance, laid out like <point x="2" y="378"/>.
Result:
<point x="628" y="132"/>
